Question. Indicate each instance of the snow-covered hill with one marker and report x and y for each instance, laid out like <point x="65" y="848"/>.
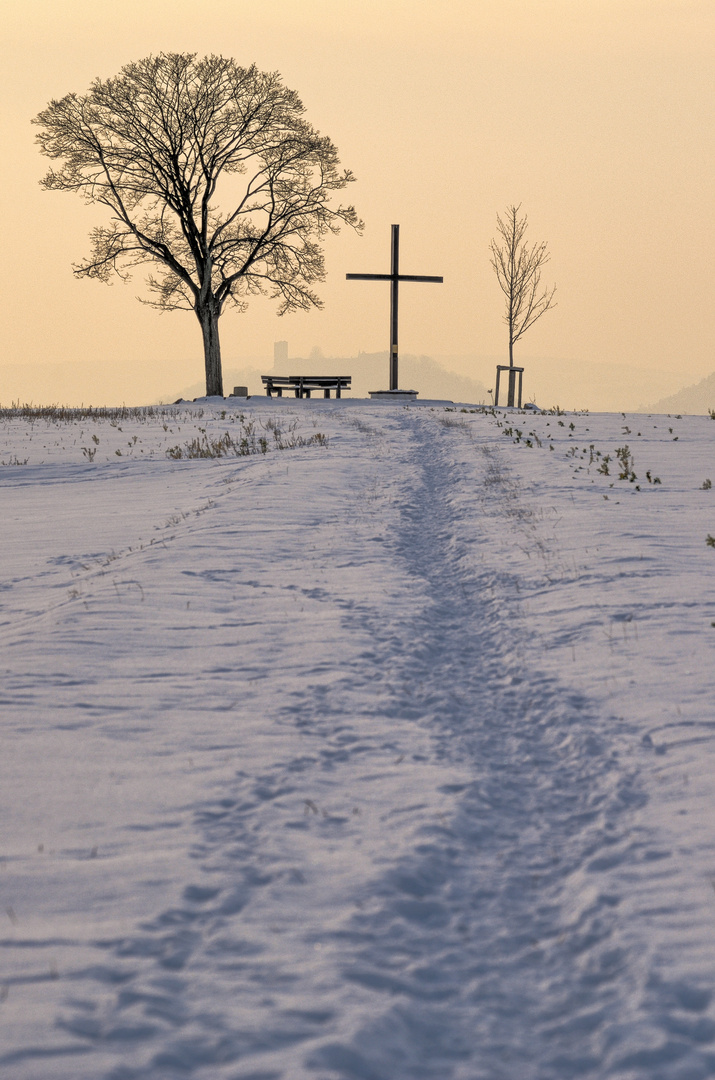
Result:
<point x="385" y="753"/>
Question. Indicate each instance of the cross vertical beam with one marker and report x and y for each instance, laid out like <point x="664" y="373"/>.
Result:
<point x="394" y="277"/>
<point x="394" y="296"/>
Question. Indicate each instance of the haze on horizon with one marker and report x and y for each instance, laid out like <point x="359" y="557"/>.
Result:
<point x="596" y="117"/>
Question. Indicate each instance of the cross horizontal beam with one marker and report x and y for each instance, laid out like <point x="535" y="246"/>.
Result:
<point x="393" y="277"/>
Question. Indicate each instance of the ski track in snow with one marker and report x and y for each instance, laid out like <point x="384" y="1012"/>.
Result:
<point x="386" y="760"/>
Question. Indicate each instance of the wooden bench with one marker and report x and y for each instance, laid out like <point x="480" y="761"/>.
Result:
<point x="302" y="385"/>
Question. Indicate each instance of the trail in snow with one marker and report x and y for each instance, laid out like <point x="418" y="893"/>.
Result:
<point x="316" y="798"/>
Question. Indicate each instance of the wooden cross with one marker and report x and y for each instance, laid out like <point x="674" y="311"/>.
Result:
<point x="395" y="277"/>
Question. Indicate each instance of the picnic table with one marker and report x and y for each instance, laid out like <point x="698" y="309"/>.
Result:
<point x="302" y="385"/>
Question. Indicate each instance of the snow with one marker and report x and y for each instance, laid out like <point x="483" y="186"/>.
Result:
<point x="387" y="756"/>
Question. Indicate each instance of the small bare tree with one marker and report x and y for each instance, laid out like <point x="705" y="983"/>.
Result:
<point x="153" y="143"/>
<point x="518" y="270"/>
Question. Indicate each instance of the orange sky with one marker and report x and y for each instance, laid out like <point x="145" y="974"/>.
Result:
<point x="596" y="115"/>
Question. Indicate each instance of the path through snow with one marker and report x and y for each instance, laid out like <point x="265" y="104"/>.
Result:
<point x="383" y="760"/>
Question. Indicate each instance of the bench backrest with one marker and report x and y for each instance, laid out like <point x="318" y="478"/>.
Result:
<point x="305" y="380"/>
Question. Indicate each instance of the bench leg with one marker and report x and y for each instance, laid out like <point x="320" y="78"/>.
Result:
<point x="326" y="392"/>
<point x="337" y="390"/>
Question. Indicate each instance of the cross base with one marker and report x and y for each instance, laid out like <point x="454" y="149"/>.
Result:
<point x="393" y="395"/>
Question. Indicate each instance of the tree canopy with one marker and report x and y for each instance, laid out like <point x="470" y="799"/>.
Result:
<point x="152" y="145"/>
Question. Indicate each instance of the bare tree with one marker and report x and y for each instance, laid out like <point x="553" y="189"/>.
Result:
<point x="153" y="143"/>
<point x="518" y="270"/>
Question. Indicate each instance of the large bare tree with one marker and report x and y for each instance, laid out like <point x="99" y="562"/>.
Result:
<point x="152" y="145"/>
<point x="518" y="269"/>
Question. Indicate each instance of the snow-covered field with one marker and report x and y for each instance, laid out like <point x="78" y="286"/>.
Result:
<point x="388" y="755"/>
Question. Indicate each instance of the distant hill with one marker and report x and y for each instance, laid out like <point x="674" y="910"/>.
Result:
<point x="696" y="400"/>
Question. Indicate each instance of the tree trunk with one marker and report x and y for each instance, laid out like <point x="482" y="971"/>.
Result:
<point x="512" y="374"/>
<point x="208" y="318"/>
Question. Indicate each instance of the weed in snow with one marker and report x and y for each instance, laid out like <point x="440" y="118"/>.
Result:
<point x="247" y="443"/>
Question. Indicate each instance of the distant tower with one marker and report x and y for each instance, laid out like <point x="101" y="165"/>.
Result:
<point x="280" y="352"/>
